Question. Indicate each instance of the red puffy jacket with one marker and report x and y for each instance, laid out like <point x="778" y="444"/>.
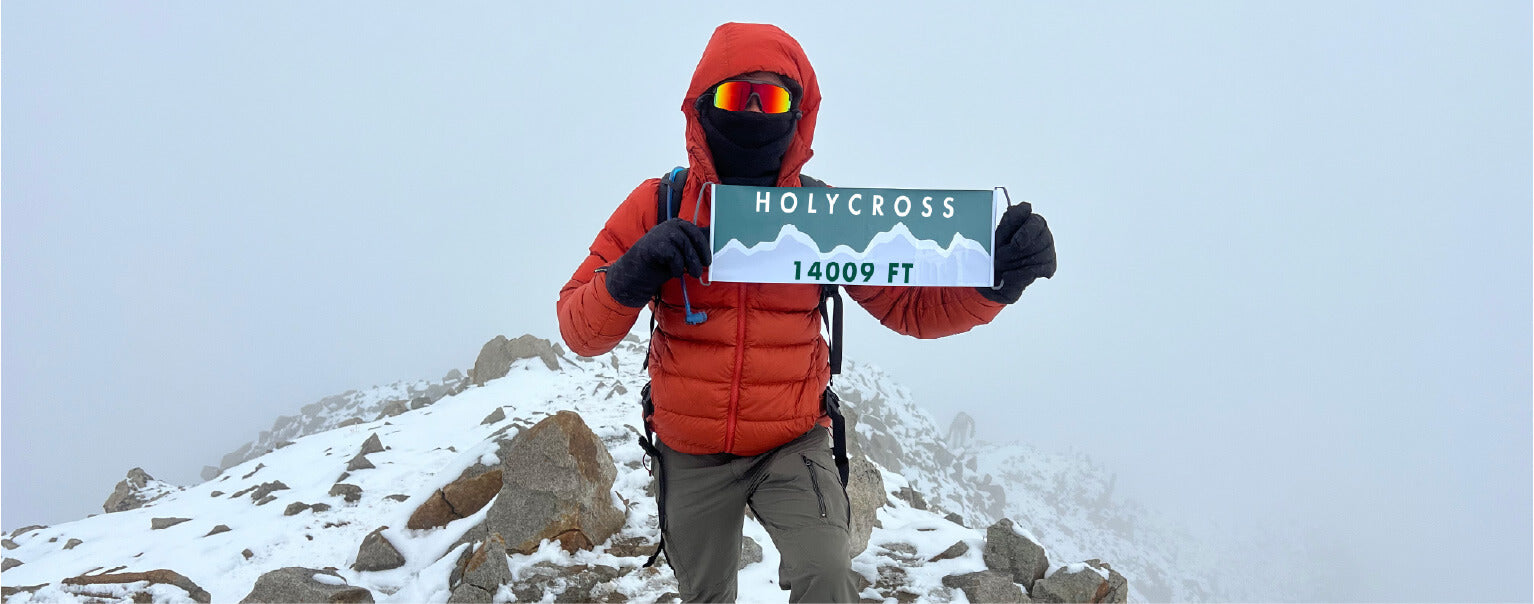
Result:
<point x="749" y="378"/>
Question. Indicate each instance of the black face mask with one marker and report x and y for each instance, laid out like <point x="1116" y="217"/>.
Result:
<point x="748" y="147"/>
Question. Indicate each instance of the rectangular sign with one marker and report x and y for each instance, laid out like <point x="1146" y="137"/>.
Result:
<point x="890" y="237"/>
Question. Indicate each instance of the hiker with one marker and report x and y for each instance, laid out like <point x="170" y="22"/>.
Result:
<point x="736" y="399"/>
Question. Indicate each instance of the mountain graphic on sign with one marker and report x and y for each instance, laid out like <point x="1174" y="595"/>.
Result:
<point x="963" y="261"/>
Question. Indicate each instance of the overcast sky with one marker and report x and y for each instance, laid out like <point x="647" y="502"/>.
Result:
<point x="1294" y="237"/>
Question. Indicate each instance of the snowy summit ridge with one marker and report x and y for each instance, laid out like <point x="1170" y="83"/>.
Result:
<point x="347" y="476"/>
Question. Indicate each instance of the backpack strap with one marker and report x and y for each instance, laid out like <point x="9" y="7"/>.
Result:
<point x="668" y="203"/>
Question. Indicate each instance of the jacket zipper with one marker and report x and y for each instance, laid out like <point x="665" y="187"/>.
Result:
<point x="815" y="482"/>
<point x="740" y="360"/>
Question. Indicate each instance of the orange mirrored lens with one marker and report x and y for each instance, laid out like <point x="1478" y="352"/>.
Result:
<point x="736" y="96"/>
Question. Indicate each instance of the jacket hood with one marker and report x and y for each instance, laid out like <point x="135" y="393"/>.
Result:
<point x="738" y="48"/>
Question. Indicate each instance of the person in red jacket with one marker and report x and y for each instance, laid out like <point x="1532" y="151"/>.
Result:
<point x="738" y="398"/>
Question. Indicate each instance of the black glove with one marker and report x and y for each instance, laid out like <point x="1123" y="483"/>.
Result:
<point x="1025" y="250"/>
<point x="664" y="253"/>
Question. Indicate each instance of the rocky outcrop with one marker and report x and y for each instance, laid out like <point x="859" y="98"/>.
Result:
<point x="497" y="355"/>
<point x="1011" y="553"/>
<point x="557" y="479"/>
<point x="349" y="492"/>
<point x="137" y="490"/>
<point x="455" y="501"/>
<point x="161" y="576"/>
<point x="377" y="553"/>
<point x="298" y="584"/>
<point x="1091" y="581"/>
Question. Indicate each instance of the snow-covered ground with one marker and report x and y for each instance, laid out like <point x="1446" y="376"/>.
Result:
<point x="426" y="448"/>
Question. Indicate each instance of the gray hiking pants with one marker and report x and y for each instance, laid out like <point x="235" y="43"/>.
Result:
<point x="795" y="493"/>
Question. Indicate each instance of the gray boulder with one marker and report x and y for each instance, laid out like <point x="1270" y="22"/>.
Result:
<point x="377" y="553"/>
<point x="165" y="523"/>
<point x="1092" y="581"/>
<point x="987" y="586"/>
<point x="372" y="444"/>
<point x="1011" y="553"/>
<point x="359" y="462"/>
<point x="557" y="479"/>
<point x="298" y="584"/>
<point x="482" y="573"/>
<point x="865" y="491"/>
<point x="750" y="551"/>
<point x="497" y="355"/>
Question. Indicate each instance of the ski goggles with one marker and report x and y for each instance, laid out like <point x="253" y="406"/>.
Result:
<point x="735" y="95"/>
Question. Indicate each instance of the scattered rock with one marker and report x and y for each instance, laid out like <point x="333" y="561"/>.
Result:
<point x="455" y="501"/>
<point x="298" y="584"/>
<point x="72" y="543"/>
<point x="987" y="586"/>
<point x="911" y="496"/>
<point x="222" y="528"/>
<point x="453" y="376"/>
<point x="283" y="443"/>
<point x="350" y="492"/>
<point x="420" y="401"/>
<point x="1013" y="554"/>
<point x="360" y="462"/>
<point x="27" y="529"/>
<point x="377" y="553"/>
<point x="957" y="550"/>
<point x="9" y="564"/>
<point x="216" y="494"/>
<point x="161" y="576"/>
<point x="498" y="415"/>
<point x="8" y="544"/>
<point x="556" y="484"/>
<point x="350" y="422"/>
<point x="248" y="554"/>
<point x="372" y="445"/>
<point x="210" y="472"/>
<point x="391" y="409"/>
<point x="253" y="472"/>
<point x="295" y="508"/>
<point x="956" y="519"/>
<point x="497" y="355"/>
<point x="633" y="547"/>
<point x="750" y="551"/>
<point x="865" y="491"/>
<point x="484" y="572"/>
<point x="265" y="489"/>
<point x="164" y="523"/>
<point x="566" y="583"/>
<point x="319" y="507"/>
<point x="397" y="497"/>
<point x="1092" y="581"/>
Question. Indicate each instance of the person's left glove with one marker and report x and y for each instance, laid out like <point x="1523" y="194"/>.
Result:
<point x="1025" y="251"/>
<point x="669" y="250"/>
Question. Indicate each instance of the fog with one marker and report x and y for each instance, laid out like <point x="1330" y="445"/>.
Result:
<point x="1294" y="291"/>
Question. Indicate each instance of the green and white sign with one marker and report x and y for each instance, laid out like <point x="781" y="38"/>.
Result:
<point x="899" y="237"/>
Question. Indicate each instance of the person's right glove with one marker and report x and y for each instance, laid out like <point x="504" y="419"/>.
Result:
<point x="669" y="250"/>
<point x="1025" y="250"/>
